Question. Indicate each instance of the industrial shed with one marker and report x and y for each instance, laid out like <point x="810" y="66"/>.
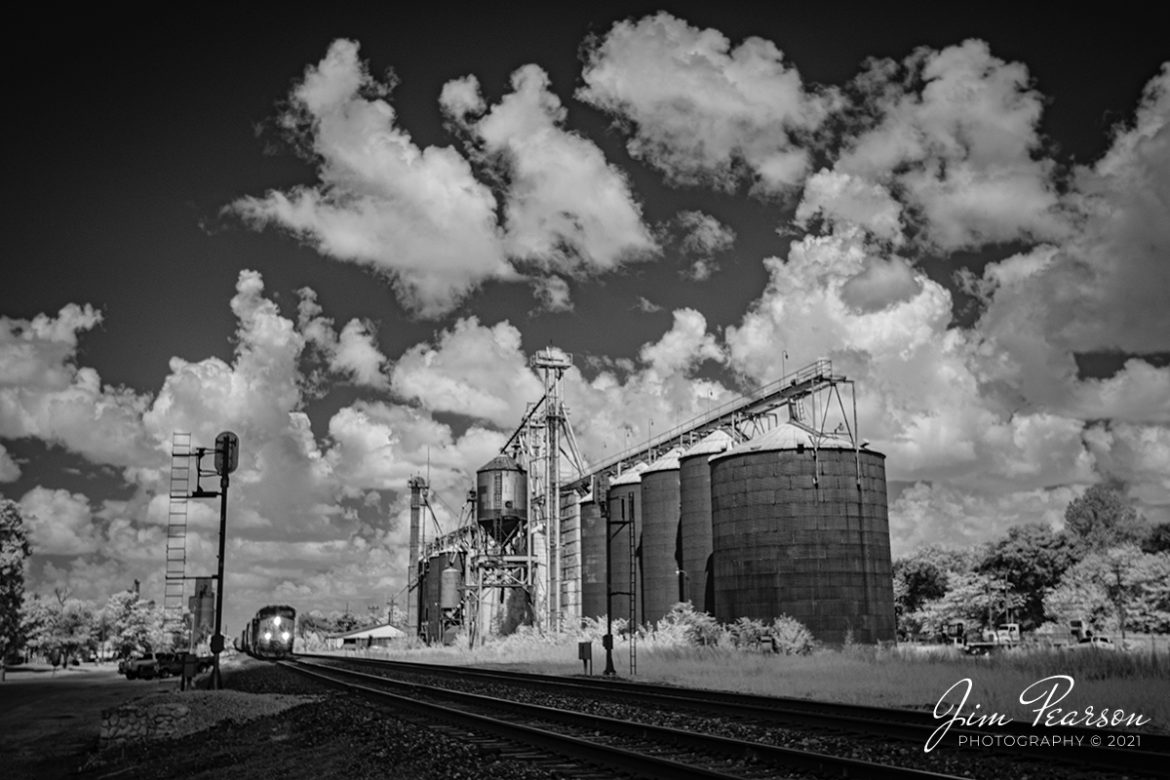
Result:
<point x="372" y="636"/>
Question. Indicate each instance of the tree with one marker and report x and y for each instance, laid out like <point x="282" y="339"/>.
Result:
<point x="974" y="599"/>
<point x="14" y="550"/>
<point x="1101" y="519"/>
<point x="1158" y="540"/>
<point x="1031" y="558"/>
<point x="1118" y="589"/>
<point x="135" y="625"/>
<point x="922" y="577"/>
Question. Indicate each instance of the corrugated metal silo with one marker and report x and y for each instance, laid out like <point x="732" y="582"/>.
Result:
<point x="441" y="605"/>
<point x="592" y="559"/>
<point x="660" y="509"/>
<point x="625" y="521"/>
<point x="695" y="518"/>
<point x="803" y="531"/>
<point x="570" y="573"/>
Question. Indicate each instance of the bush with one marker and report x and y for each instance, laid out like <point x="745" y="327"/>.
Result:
<point x="747" y="633"/>
<point x="683" y="625"/>
<point x="790" y="637"/>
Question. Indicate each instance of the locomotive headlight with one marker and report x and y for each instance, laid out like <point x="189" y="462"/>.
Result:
<point x="285" y="635"/>
<point x="267" y="636"/>
<point x="276" y="620"/>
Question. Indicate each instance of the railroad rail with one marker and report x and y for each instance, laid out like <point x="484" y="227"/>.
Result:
<point x="615" y="745"/>
<point x="912" y="726"/>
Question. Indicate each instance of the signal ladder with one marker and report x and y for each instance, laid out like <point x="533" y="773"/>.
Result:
<point x="174" y="605"/>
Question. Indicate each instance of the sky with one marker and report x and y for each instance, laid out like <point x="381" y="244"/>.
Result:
<point x="342" y="235"/>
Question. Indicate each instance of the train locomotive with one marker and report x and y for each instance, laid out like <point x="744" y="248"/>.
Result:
<point x="271" y="633"/>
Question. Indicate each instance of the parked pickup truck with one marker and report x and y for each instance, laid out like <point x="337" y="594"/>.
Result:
<point x="145" y="666"/>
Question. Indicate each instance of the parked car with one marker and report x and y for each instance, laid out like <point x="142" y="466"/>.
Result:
<point x="1096" y="643"/>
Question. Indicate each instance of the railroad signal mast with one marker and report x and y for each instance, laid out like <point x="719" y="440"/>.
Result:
<point x="226" y="459"/>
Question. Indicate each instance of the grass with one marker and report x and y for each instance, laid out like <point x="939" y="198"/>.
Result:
<point x="1137" y="681"/>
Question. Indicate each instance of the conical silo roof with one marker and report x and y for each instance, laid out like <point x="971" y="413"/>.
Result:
<point x="786" y="436"/>
<point x="667" y="462"/>
<point x="501" y="462"/>
<point x="631" y="476"/>
<point x="713" y="443"/>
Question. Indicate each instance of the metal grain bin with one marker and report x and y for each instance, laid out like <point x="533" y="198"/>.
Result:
<point x="660" y="566"/>
<point x="803" y="531"/>
<point x="624" y="531"/>
<point x="501" y="490"/>
<point x="592" y="559"/>
<point x="695" y="519"/>
<point x="450" y="582"/>
<point x="441" y="615"/>
<point x="570" y="555"/>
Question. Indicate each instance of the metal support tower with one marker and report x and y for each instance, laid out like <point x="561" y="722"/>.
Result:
<point x="539" y="443"/>
<point x="174" y="604"/>
<point x="418" y="496"/>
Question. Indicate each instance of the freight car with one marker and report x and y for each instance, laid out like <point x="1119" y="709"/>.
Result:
<point x="271" y="633"/>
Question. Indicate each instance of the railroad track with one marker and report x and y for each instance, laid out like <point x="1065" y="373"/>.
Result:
<point x="913" y="727"/>
<point x="598" y="746"/>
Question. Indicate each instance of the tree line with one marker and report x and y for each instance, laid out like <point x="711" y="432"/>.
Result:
<point x="1109" y="567"/>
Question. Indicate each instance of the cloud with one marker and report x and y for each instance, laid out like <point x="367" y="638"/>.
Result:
<point x="957" y="137"/>
<point x="1105" y="289"/>
<point x="353" y="354"/>
<point x="698" y="109"/>
<point x="9" y="470"/>
<point x="938" y="514"/>
<point x="686" y="344"/>
<point x="567" y="209"/>
<point x="647" y="306"/>
<point x="851" y="200"/>
<point x="417" y="215"/>
<point x="703" y="237"/>
<point x="45" y="395"/>
<point x="553" y="293"/>
<point x="474" y="370"/>
<point x="59" y="522"/>
<point x="381" y="446"/>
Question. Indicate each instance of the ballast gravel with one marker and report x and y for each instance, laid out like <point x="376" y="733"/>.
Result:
<point x="274" y="723"/>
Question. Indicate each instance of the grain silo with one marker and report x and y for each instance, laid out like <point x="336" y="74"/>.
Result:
<point x="802" y="530"/>
<point x="695" y="519"/>
<point x="624" y="531"/>
<point x="441" y="588"/>
<point x="660" y="510"/>
<point x="569" y="573"/>
<point x="592" y="559"/>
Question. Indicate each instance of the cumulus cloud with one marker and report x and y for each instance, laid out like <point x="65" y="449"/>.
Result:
<point x="1105" y="288"/>
<point x="938" y="514"/>
<point x="473" y="370"/>
<point x="44" y="394"/>
<point x="699" y="109"/>
<point x="353" y="353"/>
<point x="567" y="208"/>
<point x="686" y="344"/>
<point x="957" y="137"/>
<point x="417" y="215"/>
<point x="59" y="522"/>
<point x="9" y="470"/>
<point x="553" y="293"/>
<point x="703" y="237"/>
